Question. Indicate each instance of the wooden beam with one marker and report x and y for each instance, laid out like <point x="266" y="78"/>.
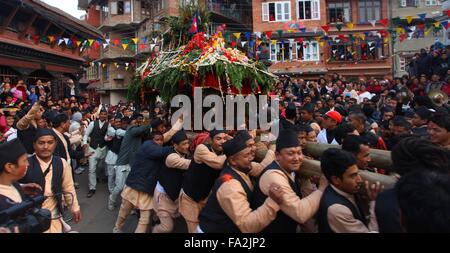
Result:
<point x="46" y="28"/>
<point x="8" y="19"/>
<point x="27" y="26"/>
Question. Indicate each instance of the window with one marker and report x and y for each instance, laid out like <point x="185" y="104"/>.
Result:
<point x="432" y="2"/>
<point x="341" y="52"/>
<point x="370" y="50"/>
<point x="92" y="72"/>
<point x="279" y="11"/>
<point x="369" y="10"/>
<point x="289" y="50"/>
<point x="105" y="72"/>
<point x="409" y="3"/>
<point x="339" y="11"/>
<point x="127" y="8"/>
<point x="145" y="8"/>
<point x="308" y="9"/>
<point x="117" y="8"/>
<point x="310" y="51"/>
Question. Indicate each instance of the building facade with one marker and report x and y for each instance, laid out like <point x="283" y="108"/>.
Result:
<point x="405" y="50"/>
<point x="28" y="53"/>
<point x="313" y="52"/>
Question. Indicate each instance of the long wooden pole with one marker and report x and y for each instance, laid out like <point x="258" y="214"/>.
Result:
<point x="312" y="168"/>
<point x="381" y="159"/>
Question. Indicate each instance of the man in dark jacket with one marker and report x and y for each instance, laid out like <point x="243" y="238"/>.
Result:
<point x="141" y="182"/>
<point x="71" y="90"/>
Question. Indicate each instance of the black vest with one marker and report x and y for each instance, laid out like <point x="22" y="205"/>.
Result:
<point x="329" y="198"/>
<point x="199" y="179"/>
<point x="26" y="137"/>
<point x="282" y="223"/>
<point x="98" y="135"/>
<point x="35" y="175"/>
<point x="6" y="202"/>
<point x="171" y="179"/>
<point x="212" y="218"/>
<point x="60" y="149"/>
<point x="114" y="145"/>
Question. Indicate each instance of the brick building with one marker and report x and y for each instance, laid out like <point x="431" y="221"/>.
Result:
<point x="306" y="53"/>
<point x="26" y="51"/>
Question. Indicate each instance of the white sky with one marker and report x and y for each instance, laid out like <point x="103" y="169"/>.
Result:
<point x="69" y="6"/>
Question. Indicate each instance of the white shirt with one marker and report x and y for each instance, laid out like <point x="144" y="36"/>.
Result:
<point x="90" y="128"/>
<point x="322" y="138"/>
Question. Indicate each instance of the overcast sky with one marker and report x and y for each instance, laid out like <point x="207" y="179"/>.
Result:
<point x="69" y="6"/>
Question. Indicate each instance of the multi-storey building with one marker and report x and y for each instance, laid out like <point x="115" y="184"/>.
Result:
<point x="303" y="50"/>
<point x="37" y="42"/>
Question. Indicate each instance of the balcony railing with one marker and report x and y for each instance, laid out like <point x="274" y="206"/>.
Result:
<point x="236" y="10"/>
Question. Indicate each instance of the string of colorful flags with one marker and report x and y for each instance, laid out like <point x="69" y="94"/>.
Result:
<point x="125" y="43"/>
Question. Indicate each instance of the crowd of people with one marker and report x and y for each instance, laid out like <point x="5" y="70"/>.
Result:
<point x="218" y="181"/>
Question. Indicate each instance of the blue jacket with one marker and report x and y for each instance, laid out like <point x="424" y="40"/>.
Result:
<point x="149" y="159"/>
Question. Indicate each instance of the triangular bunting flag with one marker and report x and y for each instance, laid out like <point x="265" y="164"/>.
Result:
<point x="248" y="35"/>
<point x="350" y="26"/>
<point x="258" y="35"/>
<point x="135" y="40"/>
<point x="36" y="39"/>
<point x="243" y="43"/>
<point x="66" y="40"/>
<point x="116" y="42"/>
<point x="422" y="16"/>
<point x="280" y="33"/>
<point x="373" y="22"/>
<point x="338" y="27"/>
<point x="384" y="22"/>
<point x="326" y="28"/>
<point x="437" y="24"/>
<point x="141" y="46"/>
<point x="269" y="34"/>
<point x="152" y="46"/>
<point x="105" y="45"/>
<point x="107" y="41"/>
<point x="90" y="42"/>
<point x="60" y="42"/>
<point x="274" y="42"/>
<point x="402" y="37"/>
<point x="447" y="12"/>
<point x="445" y="24"/>
<point x="409" y="19"/>
<point x="303" y="29"/>
<point x="51" y="38"/>
<point x="237" y="35"/>
<point x="78" y="42"/>
<point x="125" y="46"/>
<point x="233" y="44"/>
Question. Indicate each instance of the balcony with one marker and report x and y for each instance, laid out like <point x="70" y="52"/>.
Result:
<point x="117" y="52"/>
<point x="230" y="11"/>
